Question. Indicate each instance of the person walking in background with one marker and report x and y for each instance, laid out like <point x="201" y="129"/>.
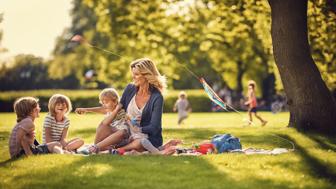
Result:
<point x="252" y="103"/>
<point x="182" y="106"/>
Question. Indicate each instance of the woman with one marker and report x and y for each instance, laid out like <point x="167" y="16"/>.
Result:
<point x="142" y="100"/>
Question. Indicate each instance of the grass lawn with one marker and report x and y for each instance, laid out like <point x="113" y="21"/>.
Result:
<point x="312" y="165"/>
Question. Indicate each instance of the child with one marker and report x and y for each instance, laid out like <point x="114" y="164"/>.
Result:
<point x="252" y="103"/>
<point x="182" y="106"/>
<point x="114" y="124"/>
<point x="22" y="140"/>
<point x="138" y="137"/>
<point x="56" y="124"/>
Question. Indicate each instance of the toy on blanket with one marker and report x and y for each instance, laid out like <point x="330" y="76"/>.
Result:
<point x="205" y="148"/>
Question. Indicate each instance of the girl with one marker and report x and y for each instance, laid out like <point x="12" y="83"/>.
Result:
<point x="252" y="103"/>
<point x="56" y="124"/>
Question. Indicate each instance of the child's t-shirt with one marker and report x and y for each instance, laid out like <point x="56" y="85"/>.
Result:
<point x="55" y="127"/>
<point x="14" y="144"/>
<point x="119" y="122"/>
<point x="252" y="99"/>
<point x="182" y="107"/>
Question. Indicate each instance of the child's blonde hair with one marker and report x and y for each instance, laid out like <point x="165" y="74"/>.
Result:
<point x="182" y="93"/>
<point x="252" y="83"/>
<point x="110" y="93"/>
<point x="24" y="106"/>
<point x="59" y="99"/>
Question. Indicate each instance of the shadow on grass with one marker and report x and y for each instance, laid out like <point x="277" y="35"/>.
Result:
<point x="106" y="171"/>
<point x="324" y="142"/>
<point x="317" y="167"/>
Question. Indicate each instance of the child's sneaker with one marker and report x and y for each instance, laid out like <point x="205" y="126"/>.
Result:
<point x="89" y="150"/>
<point x="84" y="151"/>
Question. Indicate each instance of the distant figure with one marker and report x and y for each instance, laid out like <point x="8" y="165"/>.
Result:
<point x="182" y="106"/>
<point x="252" y="103"/>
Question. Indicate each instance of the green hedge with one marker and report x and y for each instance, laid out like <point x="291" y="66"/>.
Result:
<point x="87" y="98"/>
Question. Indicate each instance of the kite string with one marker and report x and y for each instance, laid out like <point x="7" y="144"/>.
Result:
<point x="104" y="50"/>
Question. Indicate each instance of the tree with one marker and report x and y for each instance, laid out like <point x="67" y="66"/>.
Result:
<point x="311" y="105"/>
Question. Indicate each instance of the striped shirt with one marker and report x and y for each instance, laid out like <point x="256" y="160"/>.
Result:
<point x="14" y="144"/>
<point x="55" y="127"/>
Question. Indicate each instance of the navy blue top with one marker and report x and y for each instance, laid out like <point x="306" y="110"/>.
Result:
<point x="151" y="118"/>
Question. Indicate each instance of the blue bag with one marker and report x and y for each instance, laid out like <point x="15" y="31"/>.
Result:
<point x="225" y="143"/>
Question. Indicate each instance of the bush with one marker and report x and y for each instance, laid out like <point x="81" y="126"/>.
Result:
<point x="87" y="98"/>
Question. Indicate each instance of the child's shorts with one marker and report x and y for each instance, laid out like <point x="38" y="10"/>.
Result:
<point x="40" y="149"/>
<point x="36" y="149"/>
<point x="254" y="110"/>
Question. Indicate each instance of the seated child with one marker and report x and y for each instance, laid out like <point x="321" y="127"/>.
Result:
<point x="56" y="123"/>
<point x="137" y="138"/>
<point x="22" y="141"/>
<point x="113" y="130"/>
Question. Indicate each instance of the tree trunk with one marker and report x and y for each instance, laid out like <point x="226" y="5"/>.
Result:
<point x="311" y="106"/>
<point x="239" y="78"/>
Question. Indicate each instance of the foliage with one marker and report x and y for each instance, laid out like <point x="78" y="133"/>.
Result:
<point x="322" y="35"/>
<point x="227" y="42"/>
<point x="27" y="72"/>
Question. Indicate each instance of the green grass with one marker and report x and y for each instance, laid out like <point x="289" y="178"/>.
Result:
<point x="312" y="165"/>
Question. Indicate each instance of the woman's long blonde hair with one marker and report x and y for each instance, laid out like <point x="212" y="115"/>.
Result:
<point x="148" y="69"/>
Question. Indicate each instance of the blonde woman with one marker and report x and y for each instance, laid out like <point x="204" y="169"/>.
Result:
<point x="143" y="102"/>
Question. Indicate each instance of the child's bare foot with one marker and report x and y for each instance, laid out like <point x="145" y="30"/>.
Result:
<point x="263" y="123"/>
<point x="172" y="142"/>
<point x="169" y="150"/>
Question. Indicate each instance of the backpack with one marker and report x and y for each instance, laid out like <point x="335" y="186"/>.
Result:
<point x="225" y="143"/>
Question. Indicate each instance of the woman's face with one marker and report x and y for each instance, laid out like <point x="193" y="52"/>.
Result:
<point x="138" y="78"/>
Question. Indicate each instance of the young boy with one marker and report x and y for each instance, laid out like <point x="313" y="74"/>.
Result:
<point x="22" y="140"/>
<point x="113" y="130"/>
<point x="252" y="103"/>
